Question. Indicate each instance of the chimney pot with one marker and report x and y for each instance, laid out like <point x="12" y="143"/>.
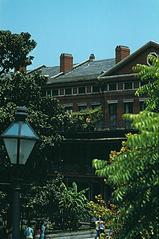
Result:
<point x="66" y="62"/>
<point x="92" y="57"/>
<point x="121" y="53"/>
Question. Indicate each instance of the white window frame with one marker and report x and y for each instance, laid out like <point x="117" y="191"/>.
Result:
<point x="91" y="89"/>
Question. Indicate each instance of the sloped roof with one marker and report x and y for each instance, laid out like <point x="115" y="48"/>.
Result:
<point x="130" y="58"/>
<point x="85" y="71"/>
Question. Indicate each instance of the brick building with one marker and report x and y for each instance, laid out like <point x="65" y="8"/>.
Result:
<point x="110" y="83"/>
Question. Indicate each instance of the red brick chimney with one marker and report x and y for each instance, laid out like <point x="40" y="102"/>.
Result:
<point x="66" y="62"/>
<point x="121" y="52"/>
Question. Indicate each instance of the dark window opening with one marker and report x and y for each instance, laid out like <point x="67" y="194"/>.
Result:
<point x="54" y="92"/>
<point x="74" y="91"/>
<point x="81" y="90"/>
<point x="128" y="109"/>
<point x="48" y="92"/>
<point x="61" y="91"/>
<point x="89" y="89"/>
<point x="96" y="89"/>
<point x="112" y="86"/>
<point x="136" y="85"/>
<point x="142" y="105"/>
<point x="128" y="85"/>
<point x="104" y="87"/>
<point x="68" y="91"/>
<point x="112" y="115"/>
<point x="82" y="107"/>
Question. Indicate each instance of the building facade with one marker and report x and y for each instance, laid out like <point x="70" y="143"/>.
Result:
<point x="109" y="83"/>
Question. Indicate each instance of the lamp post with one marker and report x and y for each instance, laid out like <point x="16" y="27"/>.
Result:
<point x="19" y="139"/>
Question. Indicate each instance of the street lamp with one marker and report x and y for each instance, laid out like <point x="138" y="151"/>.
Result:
<point x="19" y="139"/>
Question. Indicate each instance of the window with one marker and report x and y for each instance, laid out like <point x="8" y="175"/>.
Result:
<point x="61" y="91"/>
<point x="54" y="92"/>
<point x="142" y="105"/>
<point x="95" y="105"/>
<point x="68" y="91"/>
<point x="104" y="87"/>
<point x="112" y="86"/>
<point x="82" y="107"/>
<point x="74" y="90"/>
<point x="96" y="89"/>
<point x="120" y="86"/>
<point x="128" y="85"/>
<point x="82" y="90"/>
<point x="142" y="83"/>
<point x="136" y="85"/>
<point x="112" y="115"/>
<point x="89" y="89"/>
<point x="128" y="108"/>
<point x="48" y="92"/>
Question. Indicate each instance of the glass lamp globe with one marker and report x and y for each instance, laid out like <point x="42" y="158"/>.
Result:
<point x="19" y="138"/>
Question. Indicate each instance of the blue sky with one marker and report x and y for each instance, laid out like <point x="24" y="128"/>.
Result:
<point x="81" y="27"/>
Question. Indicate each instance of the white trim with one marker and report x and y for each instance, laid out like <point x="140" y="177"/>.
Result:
<point x="90" y="91"/>
<point x="128" y="100"/>
<point x="68" y="105"/>
<point x="76" y="92"/>
<point x="63" y="91"/>
<point x="112" y="101"/>
<point x="142" y="99"/>
<point x="95" y="103"/>
<point x="81" y="104"/>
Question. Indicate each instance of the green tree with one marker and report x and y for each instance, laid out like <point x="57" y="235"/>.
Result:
<point x="72" y="206"/>
<point x="85" y="120"/>
<point x="149" y="75"/>
<point x="134" y="171"/>
<point x="14" y="50"/>
<point x="46" y="115"/>
<point x="66" y="206"/>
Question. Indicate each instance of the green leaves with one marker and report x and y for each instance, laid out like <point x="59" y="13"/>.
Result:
<point x="14" y="50"/>
<point x="149" y="75"/>
<point x="66" y="206"/>
<point x="133" y="173"/>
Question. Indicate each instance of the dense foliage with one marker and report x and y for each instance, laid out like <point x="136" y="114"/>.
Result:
<point x="86" y="120"/>
<point x="65" y="206"/>
<point x="17" y="88"/>
<point x="99" y="208"/>
<point x="134" y="171"/>
<point x="149" y="75"/>
<point x="14" y="50"/>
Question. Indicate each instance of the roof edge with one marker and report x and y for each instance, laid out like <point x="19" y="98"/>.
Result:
<point x="126" y="59"/>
